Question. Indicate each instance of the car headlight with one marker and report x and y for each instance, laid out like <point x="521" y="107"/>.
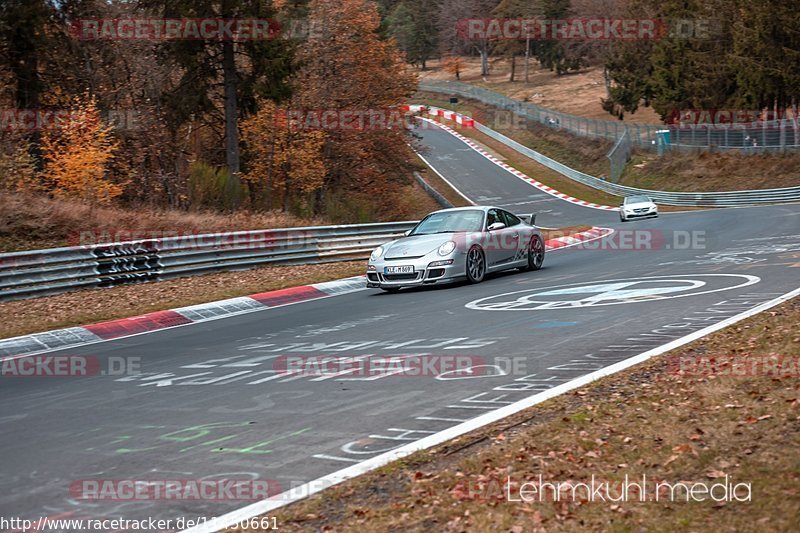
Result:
<point x="376" y="253"/>
<point x="447" y="248"/>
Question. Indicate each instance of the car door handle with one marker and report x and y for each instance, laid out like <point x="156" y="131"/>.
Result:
<point x="516" y="235"/>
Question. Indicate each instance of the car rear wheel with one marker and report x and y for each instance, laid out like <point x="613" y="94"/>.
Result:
<point x="476" y="265"/>
<point x="535" y="254"/>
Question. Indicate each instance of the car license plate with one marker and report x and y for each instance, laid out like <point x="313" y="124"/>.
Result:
<point x="398" y="270"/>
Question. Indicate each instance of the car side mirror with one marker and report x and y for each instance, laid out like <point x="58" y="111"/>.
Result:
<point x="406" y="233"/>
<point x="496" y="226"/>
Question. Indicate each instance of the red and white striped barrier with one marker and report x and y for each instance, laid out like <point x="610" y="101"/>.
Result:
<point x="458" y="118"/>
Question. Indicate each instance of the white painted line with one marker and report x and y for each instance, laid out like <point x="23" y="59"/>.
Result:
<point x="312" y="487"/>
<point x="335" y="458"/>
<point x="518" y="174"/>
<point x="464" y="196"/>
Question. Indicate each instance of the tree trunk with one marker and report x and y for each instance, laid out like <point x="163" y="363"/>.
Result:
<point x="527" y="56"/>
<point x="231" y="108"/>
<point x="513" y="66"/>
<point x="484" y="60"/>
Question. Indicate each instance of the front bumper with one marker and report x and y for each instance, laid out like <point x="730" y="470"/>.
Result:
<point x="424" y="274"/>
<point x="633" y="214"/>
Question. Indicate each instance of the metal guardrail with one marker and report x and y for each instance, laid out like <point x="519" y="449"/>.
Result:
<point x="748" y="138"/>
<point x="57" y="270"/>
<point x="695" y="199"/>
<point x="441" y="200"/>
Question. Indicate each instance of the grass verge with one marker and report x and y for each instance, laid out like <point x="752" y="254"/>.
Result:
<point x="96" y="305"/>
<point x="647" y="420"/>
<point x="442" y="187"/>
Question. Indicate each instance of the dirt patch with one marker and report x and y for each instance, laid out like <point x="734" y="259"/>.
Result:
<point x="713" y="171"/>
<point x="34" y="222"/>
<point x="577" y="93"/>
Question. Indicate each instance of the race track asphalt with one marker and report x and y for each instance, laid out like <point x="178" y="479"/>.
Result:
<point x="483" y="182"/>
<point x="210" y="401"/>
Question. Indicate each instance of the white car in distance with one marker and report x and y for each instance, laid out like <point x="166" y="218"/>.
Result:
<point x="639" y="206"/>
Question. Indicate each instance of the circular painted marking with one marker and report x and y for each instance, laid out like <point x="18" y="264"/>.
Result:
<point x="612" y="292"/>
<point x="473" y="372"/>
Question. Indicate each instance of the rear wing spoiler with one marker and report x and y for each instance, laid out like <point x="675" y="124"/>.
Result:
<point x="529" y="219"/>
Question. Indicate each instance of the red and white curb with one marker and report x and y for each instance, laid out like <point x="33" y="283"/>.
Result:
<point x="470" y="123"/>
<point x="458" y="118"/>
<point x="577" y="238"/>
<point x="127" y="327"/>
<point x="182" y="316"/>
<point x="521" y="175"/>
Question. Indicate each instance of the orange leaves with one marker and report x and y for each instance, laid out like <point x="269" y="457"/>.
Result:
<point x="454" y="65"/>
<point x="347" y="66"/>
<point x="77" y="156"/>
<point x="282" y="159"/>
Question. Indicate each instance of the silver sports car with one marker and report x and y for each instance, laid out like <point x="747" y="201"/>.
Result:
<point x="456" y="244"/>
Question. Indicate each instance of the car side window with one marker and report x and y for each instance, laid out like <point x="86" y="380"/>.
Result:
<point x="511" y="220"/>
<point x="492" y="217"/>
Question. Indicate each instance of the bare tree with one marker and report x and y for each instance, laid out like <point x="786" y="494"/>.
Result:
<point x="452" y="22"/>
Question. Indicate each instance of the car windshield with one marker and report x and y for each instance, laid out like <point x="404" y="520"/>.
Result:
<point x="450" y="222"/>
<point x="637" y="200"/>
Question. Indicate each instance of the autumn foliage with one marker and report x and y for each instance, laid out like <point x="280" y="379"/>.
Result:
<point x="284" y="161"/>
<point x="454" y="65"/>
<point x="206" y="125"/>
<point x="77" y="155"/>
<point x="347" y="66"/>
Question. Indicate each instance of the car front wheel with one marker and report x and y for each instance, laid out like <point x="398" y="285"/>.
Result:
<point x="476" y="265"/>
